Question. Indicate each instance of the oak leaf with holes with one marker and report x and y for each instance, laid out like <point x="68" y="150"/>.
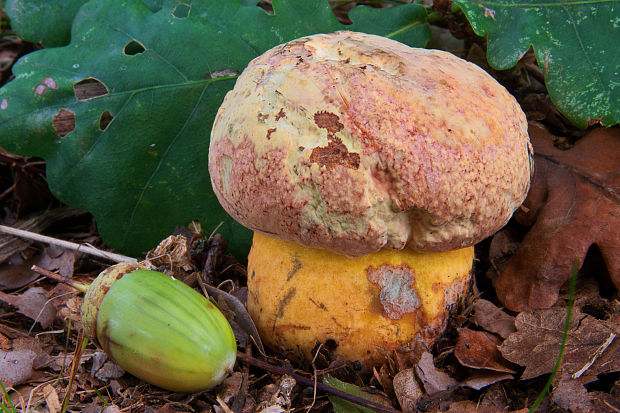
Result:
<point x="574" y="203"/>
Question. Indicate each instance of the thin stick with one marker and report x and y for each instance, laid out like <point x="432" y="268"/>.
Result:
<point x="319" y="386"/>
<point x="66" y="244"/>
<point x="596" y="355"/>
<point x="57" y="277"/>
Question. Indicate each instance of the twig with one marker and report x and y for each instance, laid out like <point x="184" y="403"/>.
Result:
<point x="319" y="386"/>
<point x="596" y="355"/>
<point x="66" y="244"/>
<point x="57" y="277"/>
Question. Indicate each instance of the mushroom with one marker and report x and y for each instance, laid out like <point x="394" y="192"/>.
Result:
<point x="368" y="170"/>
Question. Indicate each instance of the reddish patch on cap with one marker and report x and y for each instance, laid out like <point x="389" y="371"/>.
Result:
<point x="335" y="153"/>
<point x="329" y="121"/>
<point x="397" y="295"/>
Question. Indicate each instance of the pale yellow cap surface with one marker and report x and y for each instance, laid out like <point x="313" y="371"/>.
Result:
<point x="353" y="142"/>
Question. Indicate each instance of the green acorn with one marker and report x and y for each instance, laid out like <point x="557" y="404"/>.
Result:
<point x="159" y="329"/>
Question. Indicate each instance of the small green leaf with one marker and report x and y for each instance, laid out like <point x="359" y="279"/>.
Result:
<point x="574" y="44"/>
<point x="342" y="406"/>
<point x="123" y="114"/>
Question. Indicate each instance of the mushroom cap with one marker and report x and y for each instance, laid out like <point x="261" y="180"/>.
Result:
<point x="353" y="142"/>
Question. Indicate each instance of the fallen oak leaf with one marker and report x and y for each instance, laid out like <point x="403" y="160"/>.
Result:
<point x="537" y="341"/>
<point x="574" y="202"/>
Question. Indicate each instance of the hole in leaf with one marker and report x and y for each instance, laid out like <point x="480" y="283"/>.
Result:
<point x="181" y="11"/>
<point x="134" y="47"/>
<point x="105" y="119"/>
<point x="89" y="88"/>
<point x="63" y="122"/>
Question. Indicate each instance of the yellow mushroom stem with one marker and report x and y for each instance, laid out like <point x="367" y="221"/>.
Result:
<point x="299" y="296"/>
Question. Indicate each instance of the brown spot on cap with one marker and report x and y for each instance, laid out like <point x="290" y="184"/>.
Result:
<point x="281" y="114"/>
<point x="270" y="131"/>
<point x="397" y="295"/>
<point x="335" y="153"/>
<point x="63" y="122"/>
<point x="329" y="121"/>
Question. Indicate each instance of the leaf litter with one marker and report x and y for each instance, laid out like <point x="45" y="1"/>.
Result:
<point x="456" y="376"/>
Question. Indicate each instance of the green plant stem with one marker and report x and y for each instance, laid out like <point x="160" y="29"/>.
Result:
<point x="569" y="313"/>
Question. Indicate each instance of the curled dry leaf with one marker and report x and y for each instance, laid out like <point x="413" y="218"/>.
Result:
<point x="490" y="317"/>
<point x="237" y="315"/>
<point x="574" y="202"/>
<point x="433" y="379"/>
<point x="478" y="349"/>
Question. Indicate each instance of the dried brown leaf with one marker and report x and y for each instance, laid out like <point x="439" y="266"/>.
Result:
<point x="433" y="379"/>
<point x="33" y="303"/>
<point x="16" y="367"/>
<point x="467" y="406"/>
<point x="407" y="390"/>
<point x="59" y="260"/>
<point x="574" y="203"/>
<point x="536" y="344"/>
<point x="41" y="352"/>
<point x="478" y="349"/>
<point x="237" y="315"/>
<point x="230" y="387"/>
<point x="485" y="378"/>
<point x="18" y="274"/>
<point x="490" y="317"/>
<point x="51" y="398"/>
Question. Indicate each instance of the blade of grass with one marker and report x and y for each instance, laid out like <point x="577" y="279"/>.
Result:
<point x="98" y="393"/>
<point x="569" y="313"/>
<point x="8" y="399"/>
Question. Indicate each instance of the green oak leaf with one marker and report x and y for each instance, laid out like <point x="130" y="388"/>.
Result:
<point x="48" y="22"/>
<point x="123" y="114"/>
<point x="575" y="43"/>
